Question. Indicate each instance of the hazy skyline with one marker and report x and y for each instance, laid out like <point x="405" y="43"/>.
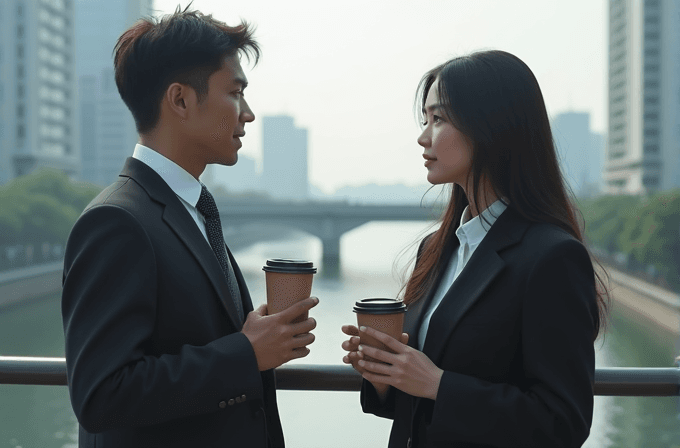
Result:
<point x="348" y="71"/>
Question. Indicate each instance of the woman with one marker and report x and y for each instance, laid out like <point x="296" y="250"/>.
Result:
<point x="503" y="301"/>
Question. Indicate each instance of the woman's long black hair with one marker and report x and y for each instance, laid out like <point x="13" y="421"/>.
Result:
<point x="493" y="98"/>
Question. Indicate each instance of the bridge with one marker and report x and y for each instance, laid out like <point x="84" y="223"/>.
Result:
<point x="328" y="221"/>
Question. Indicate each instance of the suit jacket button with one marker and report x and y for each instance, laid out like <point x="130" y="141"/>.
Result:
<point x="238" y="399"/>
<point x="243" y="398"/>
<point x="231" y="402"/>
<point x="223" y="404"/>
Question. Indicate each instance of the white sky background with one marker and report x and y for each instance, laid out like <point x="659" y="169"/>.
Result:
<point x="348" y="71"/>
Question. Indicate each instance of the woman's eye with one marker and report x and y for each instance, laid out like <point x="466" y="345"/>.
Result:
<point x="436" y="118"/>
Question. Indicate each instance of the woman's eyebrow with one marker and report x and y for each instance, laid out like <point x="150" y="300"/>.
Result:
<point x="431" y="108"/>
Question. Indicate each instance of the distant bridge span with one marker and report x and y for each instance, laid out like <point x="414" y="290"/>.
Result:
<point x="325" y="220"/>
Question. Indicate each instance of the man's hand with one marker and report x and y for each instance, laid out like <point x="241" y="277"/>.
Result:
<point x="275" y="339"/>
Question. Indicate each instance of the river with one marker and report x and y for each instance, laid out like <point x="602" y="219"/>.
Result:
<point x="41" y="417"/>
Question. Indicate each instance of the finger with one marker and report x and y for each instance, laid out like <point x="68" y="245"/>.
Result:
<point x="350" y="330"/>
<point x="376" y="378"/>
<point x="298" y="308"/>
<point x="386" y="339"/>
<point x="299" y="353"/>
<point x="375" y="367"/>
<point x="303" y="340"/>
<point x="303" y="327"/>
<point x="404" y="338"/>
<point x="260" y="310"/>
<point x="351" y="344"/>
<point x="380" y="355"/>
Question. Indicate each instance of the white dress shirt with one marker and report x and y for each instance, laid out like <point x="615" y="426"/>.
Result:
<point x="183" y="184"/>
<point x="470" y="233"/>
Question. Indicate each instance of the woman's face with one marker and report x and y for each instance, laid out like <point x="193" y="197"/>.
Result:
<point x="446" y="150"/>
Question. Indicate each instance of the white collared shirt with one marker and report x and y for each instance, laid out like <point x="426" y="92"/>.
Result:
<point x="470" y="233"/>
<point x="183" y="184"/>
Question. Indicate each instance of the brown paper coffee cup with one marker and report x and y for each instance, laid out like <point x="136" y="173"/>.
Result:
<point x="385" y="315"/>
<point x="288" y="281"/>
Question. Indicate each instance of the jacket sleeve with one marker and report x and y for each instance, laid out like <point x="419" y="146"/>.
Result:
<point x="555" y="409"/>
<point x="109" y="310"/>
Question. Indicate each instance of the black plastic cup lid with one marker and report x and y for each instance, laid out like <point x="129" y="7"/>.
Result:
<point x="379" y="306"/>
<point x="288" y="266"/>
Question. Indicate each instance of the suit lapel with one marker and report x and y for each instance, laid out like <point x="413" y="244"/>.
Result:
<point x="178" y="219"/>
<point x="414" y="318"/>
<point x="482" y="268"/>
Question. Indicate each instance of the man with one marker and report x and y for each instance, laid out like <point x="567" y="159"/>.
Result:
<point x="163" y="348"/>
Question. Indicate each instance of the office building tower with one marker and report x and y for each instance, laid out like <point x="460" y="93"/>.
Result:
<point x="284" y="162"/>
<point x="580" y="151"/>
<point x="643" y="150"/>
<point x="108" y="135"/>
<point x="37" y="88"/>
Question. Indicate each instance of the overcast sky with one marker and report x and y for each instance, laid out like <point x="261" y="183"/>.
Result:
<point x="347" y="71"/>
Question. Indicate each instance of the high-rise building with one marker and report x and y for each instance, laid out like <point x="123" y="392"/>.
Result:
<point x="284" y="162"/>
<point x="108" y="133"/>
<point x="643" y="151"/>
<point x="37" y="87"/>
<point x="581" y="152"/>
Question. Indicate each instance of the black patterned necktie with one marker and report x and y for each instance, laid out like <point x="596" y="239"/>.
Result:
<point x="213" y="228"/>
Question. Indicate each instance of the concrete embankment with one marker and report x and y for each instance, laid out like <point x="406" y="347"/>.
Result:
<point x="24" y="284"/>
<point x="658" y="305"/>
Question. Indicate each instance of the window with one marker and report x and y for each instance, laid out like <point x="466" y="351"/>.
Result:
<point x="20" y="111"/>
<point x="652" y="149"/>
<point x="21" y="131"/>
<point x="20" y="31"/>
<point x="20" y="91"/>
<point x="20" y="71"/>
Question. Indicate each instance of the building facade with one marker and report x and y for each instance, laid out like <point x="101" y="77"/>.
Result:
<point x="581" y="152"/>
<point x="108" y="134"/>
<point x="37" y="88"/>
<point x="285" y="173"/>
<point x="643" y="150"/>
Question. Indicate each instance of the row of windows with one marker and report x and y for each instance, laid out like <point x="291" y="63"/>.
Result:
<point x="654" y="84"/>
<point x="53" y="94"/>
<point x="652" y="149"/>
<point x="53" y="38"/>
<point x="54" y="76"/>
<point x="54" y="131"/>
<point x="52" y="57"/>
<point x="651" y="116"/>
<point x="651" y="132"/>
<point x="55" y="21"/>
<point x="618" y="99"/>
<point x="653" y="68"/>
<point x="650" y="181"/>
<point x="651" y="35"/>
<point x="56" y="4"/>
<point x="54" y="112"/>
<point x="53" y="148"/>
<point x="618" y="85"/>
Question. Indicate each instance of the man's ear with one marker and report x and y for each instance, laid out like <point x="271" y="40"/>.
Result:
<point x="180" y="98"/>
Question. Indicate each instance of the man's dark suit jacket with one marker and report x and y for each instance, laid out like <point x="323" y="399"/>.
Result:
<point x="154" y="353"/>
<point x="514" y="336"/>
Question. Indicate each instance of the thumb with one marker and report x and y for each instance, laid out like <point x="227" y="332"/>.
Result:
<point x="404" y="338"/>
<point x="261" y="310"/>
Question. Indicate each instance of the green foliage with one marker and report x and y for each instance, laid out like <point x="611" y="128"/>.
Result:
<point x="647" y="229"/>
<point x="41" y="206"/>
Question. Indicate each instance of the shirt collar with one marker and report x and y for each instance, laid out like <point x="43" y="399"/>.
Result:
<point x="178" y="179"/>
<point x="473" y="230"/>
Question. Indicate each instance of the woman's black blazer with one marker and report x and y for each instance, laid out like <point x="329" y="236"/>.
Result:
<point x="514" y="336"/>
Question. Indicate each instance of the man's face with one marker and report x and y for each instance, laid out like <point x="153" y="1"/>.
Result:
<point x="219" y="122"/>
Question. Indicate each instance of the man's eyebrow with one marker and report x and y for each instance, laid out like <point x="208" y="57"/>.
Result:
<point x="432" y="107"/>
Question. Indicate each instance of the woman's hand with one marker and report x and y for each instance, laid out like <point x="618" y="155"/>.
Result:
<point x="354" y="355"/>
<point x="407" y="369"/>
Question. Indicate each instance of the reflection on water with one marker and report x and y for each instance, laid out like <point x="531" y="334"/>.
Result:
<point x="41" y="417"/>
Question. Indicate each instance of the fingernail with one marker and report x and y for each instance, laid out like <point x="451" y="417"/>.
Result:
<point x="361" y="362"/>
<point x="362" y="328"/>
<point x="361" y="347"/>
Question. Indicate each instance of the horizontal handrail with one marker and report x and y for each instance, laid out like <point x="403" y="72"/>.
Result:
<point x="611" y="381"/>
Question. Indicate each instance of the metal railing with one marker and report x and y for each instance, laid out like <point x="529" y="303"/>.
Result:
<point x="611" y="381"/>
